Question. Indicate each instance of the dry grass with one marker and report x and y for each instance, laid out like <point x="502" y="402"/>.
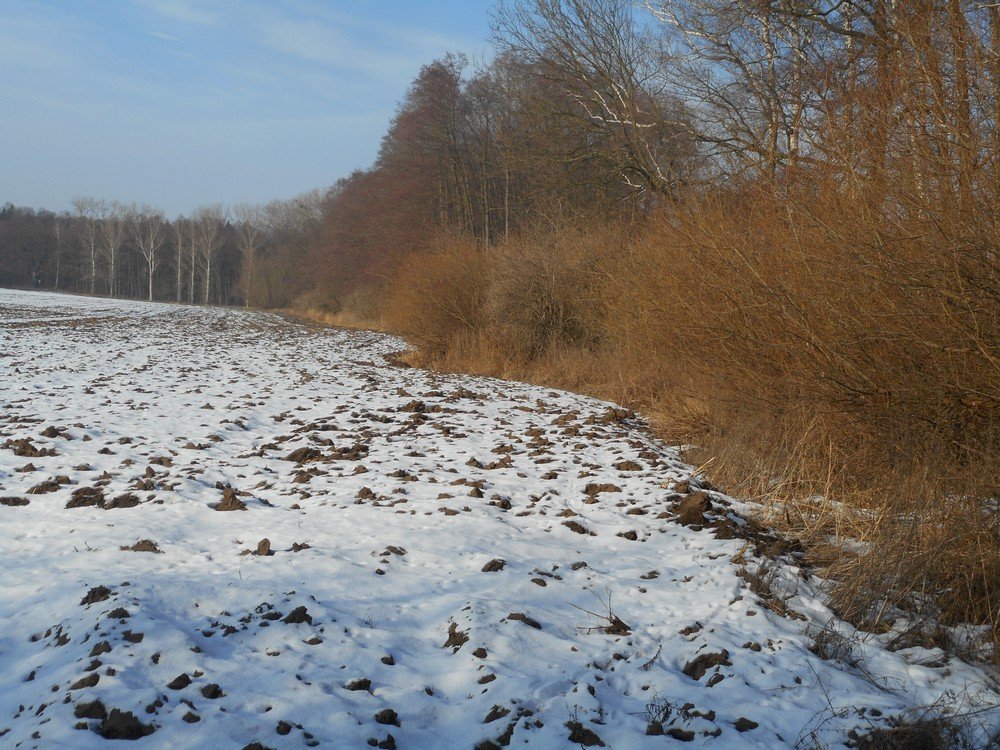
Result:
<point x="840" y="368"/>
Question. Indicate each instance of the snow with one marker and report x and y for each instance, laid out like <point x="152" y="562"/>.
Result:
<point x="225" y="396"/>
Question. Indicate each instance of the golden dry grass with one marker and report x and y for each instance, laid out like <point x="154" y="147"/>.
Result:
<point x="837" y="368"/>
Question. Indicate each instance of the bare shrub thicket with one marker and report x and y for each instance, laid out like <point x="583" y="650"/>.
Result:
<point x="839" y="367"/>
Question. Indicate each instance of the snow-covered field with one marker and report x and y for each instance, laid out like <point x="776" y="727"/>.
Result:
<point x="443" y="551"/>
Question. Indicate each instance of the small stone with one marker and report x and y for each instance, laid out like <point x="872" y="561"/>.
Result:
<point x="497" y="712"/>
<point x="697" y="667"/>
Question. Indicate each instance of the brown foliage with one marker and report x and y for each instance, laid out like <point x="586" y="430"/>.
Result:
<point x="839" y="368"/>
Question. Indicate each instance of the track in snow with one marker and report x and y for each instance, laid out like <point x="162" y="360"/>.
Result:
<point x="383" y="492"/>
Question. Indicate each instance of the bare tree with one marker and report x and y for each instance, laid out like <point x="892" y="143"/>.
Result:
<point x="250" y="236"/>
<point x="181" y="229"/>
<point x="112" y="225"/>
<point x="208" y="223"/>
<point x="744" y="65"/>
<point x="57" y="230"/>
<point x="87" y="211"/>
<point x="192" y="258"/>
<point x="595" y="52"/>
<point x="148" y="233"/>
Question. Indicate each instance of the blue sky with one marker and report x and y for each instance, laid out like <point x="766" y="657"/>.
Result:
<point x="177" y="103"/>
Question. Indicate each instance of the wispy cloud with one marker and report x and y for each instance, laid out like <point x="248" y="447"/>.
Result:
<point x="183" y="10"/>
<point x="334" y="48"/>
<point x="164" y="36"/>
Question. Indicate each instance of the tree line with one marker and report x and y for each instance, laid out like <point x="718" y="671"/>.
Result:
<point x="238" y="255"/>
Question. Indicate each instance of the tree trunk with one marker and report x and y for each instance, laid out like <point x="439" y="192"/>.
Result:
<point x="191" y="278"/>
<point x="179" y="271"/>
<point x="208" y="275"/>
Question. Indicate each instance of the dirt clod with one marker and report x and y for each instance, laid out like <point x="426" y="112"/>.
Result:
<point x="456" y="638"/>
<point x="143" y="545"/>
<point x="697" y="667"/>
<point x="264" y="548"/>
<point x="691" y="510"/>
<point x="123" y="725"/>
<point x="229" y="501"/>
<point x="96" y="594"/>
<point x="298" y="615"/>
<point x="180" y="682"/>
<point x="521" y="617"/>
<point x="582" y="735"/>
<point x="93" y="710"/>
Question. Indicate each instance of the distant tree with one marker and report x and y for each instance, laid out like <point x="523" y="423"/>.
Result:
<point x="57" y="233"/>
<point x="112" y="226"/>
<point x="208" y="223"/>
<point x="250" y="237"/>
<point x="88" y="211"/>
<point x="148" y="230"/>
<point x="181" y="230"/>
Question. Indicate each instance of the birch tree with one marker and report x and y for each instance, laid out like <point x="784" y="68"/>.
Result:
<point x="208" y="223"/>
<point x="112" y="224"/>
<point x="148" y="233"/>
<point x="181" y="230"/>
<point x="87" y="212"/>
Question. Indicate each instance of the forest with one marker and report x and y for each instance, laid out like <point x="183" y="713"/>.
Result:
<point x="769" y="225"/>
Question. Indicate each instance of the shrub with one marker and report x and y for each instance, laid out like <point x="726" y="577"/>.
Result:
<point x="436" y="298"/>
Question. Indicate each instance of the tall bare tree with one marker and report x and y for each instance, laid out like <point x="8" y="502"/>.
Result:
<point x="595" y="51"/>
<point x="745" y="65"/>
<point x="87" y="211"/>
<point x="250" y="236"/>
<point x="181" y="230"/>
<point x="148" y="230"/>
<point x="57" y="232"/>
<point x="112" y="224"/>
<point x="208" y="222"/>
